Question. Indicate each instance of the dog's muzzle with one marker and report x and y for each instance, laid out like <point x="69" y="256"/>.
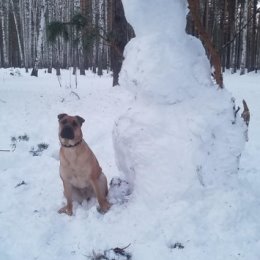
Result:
<point x="67" y="133"/>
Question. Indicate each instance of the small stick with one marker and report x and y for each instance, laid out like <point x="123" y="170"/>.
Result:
<point x="238" y="108"/>
<point x="20" y="184"/>
<point x="118" y="249"/>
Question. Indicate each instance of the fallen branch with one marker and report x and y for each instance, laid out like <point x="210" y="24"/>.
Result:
<point x="20" y="184"/>
<point x="5" y="150"/>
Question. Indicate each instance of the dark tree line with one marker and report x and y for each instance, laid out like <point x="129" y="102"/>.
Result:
<point x="24" y="36"/>
<point x="234" y="28"/>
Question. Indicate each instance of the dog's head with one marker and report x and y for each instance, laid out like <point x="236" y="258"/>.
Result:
<point x="70" y="129"/>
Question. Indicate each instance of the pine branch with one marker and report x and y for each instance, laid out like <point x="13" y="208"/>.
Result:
<point x="55" y="29"/>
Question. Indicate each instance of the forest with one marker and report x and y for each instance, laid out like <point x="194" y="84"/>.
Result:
<point x="234" y="28"/>
<point x="92" y="34"/>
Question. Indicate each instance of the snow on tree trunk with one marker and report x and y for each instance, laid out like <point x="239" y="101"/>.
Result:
<point x="244" y="39"/>
<point x="39" y="40"/>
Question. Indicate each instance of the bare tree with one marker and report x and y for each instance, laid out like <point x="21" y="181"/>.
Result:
<point x="39" y="39"/>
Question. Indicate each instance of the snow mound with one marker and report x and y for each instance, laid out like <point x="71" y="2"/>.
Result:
<point x="163" y="63"/>
<point x="179" y="145"/>
<point x="180" y="116"/>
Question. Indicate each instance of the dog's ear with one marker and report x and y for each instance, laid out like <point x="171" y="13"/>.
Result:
<point x="60" y="116"/>
<point x="80" y="119"/>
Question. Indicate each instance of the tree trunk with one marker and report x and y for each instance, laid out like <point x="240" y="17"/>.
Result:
<point x="18" y="35"/>
<point x="40" y="40"/>
<point x="244" y="39"/>
<point x="5" y="32"/>
<point x="205" y="38"/>
<point x="123" y="33"/>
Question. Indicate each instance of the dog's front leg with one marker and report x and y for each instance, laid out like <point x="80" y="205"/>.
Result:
<point x="100" y="193"/>
<point x="68" y="195"/>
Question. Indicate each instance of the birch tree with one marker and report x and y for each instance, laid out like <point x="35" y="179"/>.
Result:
<point x="234" y="43"/>
<point x="39" y="40"/>
<point x="5" y="32"/>
<point x="244" y="39"/>
<point x="23" y="36"/>
<point x="18" y="34"/>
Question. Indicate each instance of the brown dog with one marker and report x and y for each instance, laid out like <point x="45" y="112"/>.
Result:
<point x="79" y="169"/>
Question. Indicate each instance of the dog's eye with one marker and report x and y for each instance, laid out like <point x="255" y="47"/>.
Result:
<point x="64" y="122"/>
<point x="74" y="124"/>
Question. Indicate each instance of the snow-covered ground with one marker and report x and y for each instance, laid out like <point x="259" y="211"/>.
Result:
<point x="29" y="223"/>
<point x="209" y="222"/>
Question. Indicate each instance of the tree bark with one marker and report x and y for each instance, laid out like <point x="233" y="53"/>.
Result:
<point x="18" y="35"/>
<point x="40" y="40"/>
<point x="244" y="39"/>
<point x="205" y="38"/>
<point x="4" y="25"/>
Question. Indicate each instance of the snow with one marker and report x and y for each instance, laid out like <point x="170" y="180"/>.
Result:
<point x="30" y="225"/>
<point x="181" y="95"/>
<point x="247" y="87"/>
<point x="208" y="221"/>
<point x="167" y="134"/>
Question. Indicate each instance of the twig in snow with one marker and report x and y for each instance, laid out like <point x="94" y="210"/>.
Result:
<point x="106" y="255"/>
<point x="40" y="148"/>
<point x="199" y="174"/>
<point x="20" y="184"/>
<point x="59" y="80"/>
<point x="76" y="79"/>
<point x="119" y="250"/>
<point x="236" y="111"/>
<point x="75" y="94"/>
<point x="177" y="245"/>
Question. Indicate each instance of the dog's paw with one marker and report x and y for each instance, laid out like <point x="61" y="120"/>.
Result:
<point x="104" y="207"/>
<point x="67" y="210"/>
